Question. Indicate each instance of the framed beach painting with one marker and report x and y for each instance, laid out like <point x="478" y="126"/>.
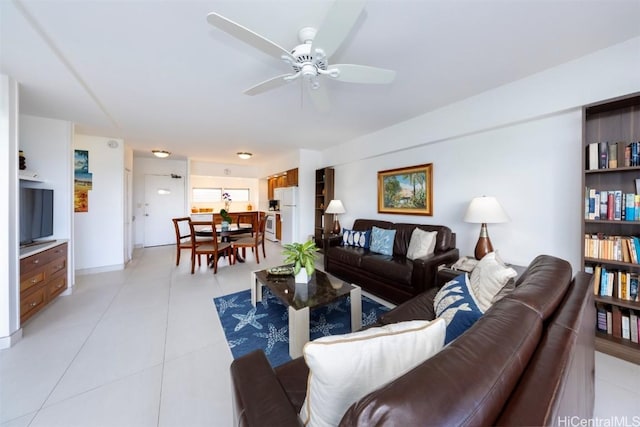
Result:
<point x="406" y="190"/>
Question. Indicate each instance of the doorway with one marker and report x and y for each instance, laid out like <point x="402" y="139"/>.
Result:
<point x="163" y="200"/>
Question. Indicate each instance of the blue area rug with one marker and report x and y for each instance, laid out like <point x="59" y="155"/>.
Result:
<point x="266" y="326"/>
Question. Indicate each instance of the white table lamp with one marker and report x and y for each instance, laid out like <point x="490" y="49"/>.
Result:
<point x="335" y="207"/>
<point x="484" y="210"/>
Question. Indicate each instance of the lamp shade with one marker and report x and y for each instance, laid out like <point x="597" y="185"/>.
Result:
<point x="485" y="210"/>
<point x="335" y="207"/>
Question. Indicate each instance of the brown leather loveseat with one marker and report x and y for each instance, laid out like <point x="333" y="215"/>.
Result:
<point x="529" y="360"/>
<point x="394" y="278"/>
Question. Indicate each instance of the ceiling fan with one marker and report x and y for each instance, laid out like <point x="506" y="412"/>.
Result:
<point x="310" y="59"/>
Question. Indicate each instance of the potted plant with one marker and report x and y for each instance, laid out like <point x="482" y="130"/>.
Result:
<point x="226" y="219"/>
<point x="302" y="256"/>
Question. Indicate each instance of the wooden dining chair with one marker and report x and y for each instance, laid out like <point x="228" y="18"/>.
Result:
<point x="244" y="221"/>
<point x="253" y="242"/>
<point x="213" y="249"/>
<point x="183" y="236"/>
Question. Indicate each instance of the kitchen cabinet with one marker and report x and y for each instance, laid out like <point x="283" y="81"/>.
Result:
<point x="292" y="177"/>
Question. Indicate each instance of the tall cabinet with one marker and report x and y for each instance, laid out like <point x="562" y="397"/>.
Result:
<point x="611" y="220"/>
<point x="323" y="195"/>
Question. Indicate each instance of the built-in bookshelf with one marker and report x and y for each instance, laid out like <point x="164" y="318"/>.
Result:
<point x="323" y="195"/>
<point x="611" y="221"/>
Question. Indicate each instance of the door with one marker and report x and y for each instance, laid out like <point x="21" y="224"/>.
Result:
<point x="163" y="200"/>
<point x="128" y="246"/>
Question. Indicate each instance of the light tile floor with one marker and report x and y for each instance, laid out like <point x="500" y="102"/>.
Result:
<point x="144" y="347"/>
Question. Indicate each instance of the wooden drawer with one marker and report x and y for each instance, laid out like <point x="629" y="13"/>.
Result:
<point x="43" y="276"/>
<point x="56" y="265"/>
<point x="31" y="304"/>
<point x="56" y="286"/>
<point x="32" y="278"/>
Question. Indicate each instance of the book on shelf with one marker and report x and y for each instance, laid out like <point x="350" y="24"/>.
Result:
<point x="615" y="283"/>
<point x="635" y="154"/>
<point x="633" y="326"/>
<point x="612" y="205"/>
<point x="625" y="325"/>
<point x="603" y="155"/>
<point x="617" y="321"/>
<point x="620" y="323"/>
<point x="592" y="156"/>
<point x="602" y="318"/>
<point x="612" y="152"/>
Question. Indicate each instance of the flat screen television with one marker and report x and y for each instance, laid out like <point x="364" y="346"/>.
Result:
<point x="36" y="214"/>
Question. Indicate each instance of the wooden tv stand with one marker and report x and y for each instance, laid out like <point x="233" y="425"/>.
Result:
<point x="43" y="276"/>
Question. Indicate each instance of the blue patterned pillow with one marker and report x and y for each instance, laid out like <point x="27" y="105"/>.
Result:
<point x="456" y="303"/>
<point x="359" y="239"/>
<point x="382" y="241"/>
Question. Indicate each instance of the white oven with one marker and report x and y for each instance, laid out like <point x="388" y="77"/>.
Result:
<point x="270" y="227"/>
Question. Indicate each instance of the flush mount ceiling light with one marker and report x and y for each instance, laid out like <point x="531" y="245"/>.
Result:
<point x="244" y="155"/>
<point x="160" y="153"/>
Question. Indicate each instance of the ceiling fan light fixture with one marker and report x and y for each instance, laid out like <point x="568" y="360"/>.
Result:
<point x="162" y="154"/>
<point x="244" y="155"/>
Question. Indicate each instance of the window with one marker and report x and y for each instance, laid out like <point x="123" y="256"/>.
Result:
<point x="238" y="194"/>
<point x="204" y="195"/>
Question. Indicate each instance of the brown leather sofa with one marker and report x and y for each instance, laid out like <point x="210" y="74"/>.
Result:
<point x="529" y="360"/>
<point x="394" y="278"/>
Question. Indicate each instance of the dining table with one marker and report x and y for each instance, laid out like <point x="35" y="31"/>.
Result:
<point x="203" y="229"/>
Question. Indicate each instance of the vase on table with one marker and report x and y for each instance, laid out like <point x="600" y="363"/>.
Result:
<point x="302" y="276"/>
<point x="224" y="225"/>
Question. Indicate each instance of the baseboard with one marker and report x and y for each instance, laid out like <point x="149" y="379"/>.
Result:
<point x="11" y="340"/>
<point x="107" y="268"/>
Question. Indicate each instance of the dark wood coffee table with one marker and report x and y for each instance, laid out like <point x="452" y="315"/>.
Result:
<point x="321" y="290"/>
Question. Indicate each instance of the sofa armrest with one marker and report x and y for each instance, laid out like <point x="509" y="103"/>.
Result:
<point x="425" y="269"/>
<point x="419" y="307"/>
<point x="328" y="242"/>
<point x="258" y="397"/>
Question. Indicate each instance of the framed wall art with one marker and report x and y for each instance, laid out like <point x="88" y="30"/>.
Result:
<point x="406" y="190"/>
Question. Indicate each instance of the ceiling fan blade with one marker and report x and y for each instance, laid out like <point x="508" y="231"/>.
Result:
<point x="247" y="36"/>
<point x="266" y="85"/>
<point x="319" y="97"/>
<point x="352" y="73"/>
<point x="336" y="26"/>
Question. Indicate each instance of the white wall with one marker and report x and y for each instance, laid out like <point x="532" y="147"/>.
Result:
<point x="99" y="233"/>
<point x="520" y="142"/>
<point x="9" y="240"/>
<point x="539" y="191"/>
<point x="47" y="147"/>
<point x="150" y="166"/>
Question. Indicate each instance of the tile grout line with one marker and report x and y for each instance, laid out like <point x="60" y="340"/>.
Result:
<point x="164" y="349"/>
<point x="84" y="343"/>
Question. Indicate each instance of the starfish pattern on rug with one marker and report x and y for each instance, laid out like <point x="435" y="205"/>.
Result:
<point x="323" y="326"/>
<point x="224" y="304"/>
<point x="251" y="318"/>
<point x="369" y="318"/>
<point x="336" y="306"/>
<point x="271" y="333"/>
<point x="274" y="336"/>
<point x="239" y="341"/>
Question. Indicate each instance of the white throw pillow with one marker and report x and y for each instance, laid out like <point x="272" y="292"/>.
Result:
<point x="345" y="368"/>
<point x="488" y="278"/>
<point x="422" y="243"/>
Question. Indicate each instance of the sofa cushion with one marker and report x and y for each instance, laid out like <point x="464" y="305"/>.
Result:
<point x="396" y="270"/>
<point x="382" y="241"/>
<point x="344" y="368"/>
<point x="359" y="239"/>
<point x="456" y="304"/>
<point x="349" y="255"/>
<point x="422" y="243"/>
<point x="489" y="277"/>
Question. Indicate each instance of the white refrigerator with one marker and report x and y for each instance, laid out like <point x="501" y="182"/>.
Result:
<point x="288" y="198"/>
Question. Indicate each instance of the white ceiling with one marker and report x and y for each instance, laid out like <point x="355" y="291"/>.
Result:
<point x="158" y="75"/>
